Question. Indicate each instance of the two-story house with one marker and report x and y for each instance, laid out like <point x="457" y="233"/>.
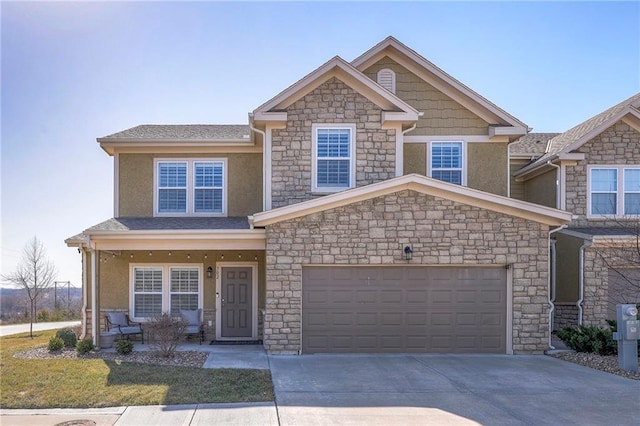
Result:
<point x="592" y="171"/>
<point x="364" y="208"/>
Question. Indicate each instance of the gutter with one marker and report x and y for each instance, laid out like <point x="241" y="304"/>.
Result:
<point x="551" y="281"/>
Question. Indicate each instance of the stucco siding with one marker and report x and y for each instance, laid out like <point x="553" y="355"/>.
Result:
<point x="331" y="102"/>
<point x="136" y="185"/>
<point x="373" y="232"/>
<point x="617" y="145"/>
<point x="415" y="158"/>
<point x="442" y="115"/>
<point x="517" y="188"/>
<point x="542" y="189"/>
<point x="487" y="167"/>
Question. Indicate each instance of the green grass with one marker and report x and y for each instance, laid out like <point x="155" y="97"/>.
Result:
<point x="84" y="383"/>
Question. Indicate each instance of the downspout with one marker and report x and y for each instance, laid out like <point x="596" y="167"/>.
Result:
<point x="264" y="168"/>
<point x="400" y="149"/>
<point x="404" y="132"/>
<point x="551" y="281"/>
<point x="587" y="243"/>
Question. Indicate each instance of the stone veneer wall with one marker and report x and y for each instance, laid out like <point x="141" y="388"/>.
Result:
<point x="372" y="232"/>
<point x="618" y="145"/>
<point x="331" y="102"/>
<point x="565" y="315"/>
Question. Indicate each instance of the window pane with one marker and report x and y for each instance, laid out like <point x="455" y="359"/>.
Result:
<point x="333" y="173"/>
<point x="147" y="305"/>
<point x="604" y="180"/>
<point x="632" y="180"/>
<point x="147" y="280"/>
<point x="451" y="176"/>
<point x="172" y="175"/>
<point x="603" y="203"/>
<point x="333" y="143"/>
<point x="208" y="175"/>
<point x="183" y="301"/>
<point x="172" y="200"/>
<point x="208" y="200"/>
<point x="184" y="280"/>
<point x="632" y="203"/>
<point x="446" y="155"/>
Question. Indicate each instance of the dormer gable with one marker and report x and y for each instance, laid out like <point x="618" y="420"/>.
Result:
<point x="394" y="109"/>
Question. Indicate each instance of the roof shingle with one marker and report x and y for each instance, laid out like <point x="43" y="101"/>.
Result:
<point x="184" y="131"/>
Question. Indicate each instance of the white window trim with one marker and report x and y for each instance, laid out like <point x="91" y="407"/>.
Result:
<point x="190" y="185"/>
<point x="620" y="190"/>
<point x="314" y="156"/>
<point x="464" y="157"/>
<point x="166" y="284"/>
<point x="392" y="89"/>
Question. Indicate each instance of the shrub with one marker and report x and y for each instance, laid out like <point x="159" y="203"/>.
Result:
<point x="69" y="337"/>
<point x="55" y="344"/>
<point x="85" y="345"/>
<point x="589" y="339"/>
<point x="168" y="332"/>
<point x="124" y="347"/>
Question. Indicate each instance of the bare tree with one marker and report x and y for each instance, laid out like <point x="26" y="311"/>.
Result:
<point x="35" y="274"/>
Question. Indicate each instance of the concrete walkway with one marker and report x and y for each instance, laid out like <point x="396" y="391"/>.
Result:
<point x="388" y="390"/>
<point x="7" y="330"/>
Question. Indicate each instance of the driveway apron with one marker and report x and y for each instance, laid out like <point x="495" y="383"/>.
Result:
<point x="449" y="389"/>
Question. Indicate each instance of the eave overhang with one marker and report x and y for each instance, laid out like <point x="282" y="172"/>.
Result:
<point x="421" y="184"/>
<point x="136" y="145"/>
<point x="245" y="239"/>
<point x="539" y="168"/>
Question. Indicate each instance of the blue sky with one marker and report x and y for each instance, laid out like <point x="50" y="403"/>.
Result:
<point x="75" y="71"/>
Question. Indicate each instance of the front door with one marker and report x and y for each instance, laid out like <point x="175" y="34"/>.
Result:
<point x="236" y="301"/>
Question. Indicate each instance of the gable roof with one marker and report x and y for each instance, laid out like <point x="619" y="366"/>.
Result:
<point x="435" y="76"/>
<point x="424" y="185"/>
<point x="563" y="144"/>
<point x="394" y="108"/>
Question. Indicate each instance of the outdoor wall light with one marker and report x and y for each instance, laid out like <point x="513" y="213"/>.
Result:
<point x="209" y="272"/>
<point x="408" y="253"/>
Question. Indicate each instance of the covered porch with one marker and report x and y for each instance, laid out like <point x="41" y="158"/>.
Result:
<point x="146" y="266"/>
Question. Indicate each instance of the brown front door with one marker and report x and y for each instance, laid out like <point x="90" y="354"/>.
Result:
<point x="237" y="311"/>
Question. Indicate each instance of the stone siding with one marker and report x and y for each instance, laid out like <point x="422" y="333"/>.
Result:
<point x="618" y="145"/>
<point x="565" y="315"/>
<point x="372" y="232"/>
<point x="291" y="148"/>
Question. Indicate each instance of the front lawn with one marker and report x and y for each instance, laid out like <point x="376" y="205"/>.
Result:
<point x="84" y="383"/>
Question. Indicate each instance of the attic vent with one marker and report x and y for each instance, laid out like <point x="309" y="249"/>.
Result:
<point x="387" y="79"/>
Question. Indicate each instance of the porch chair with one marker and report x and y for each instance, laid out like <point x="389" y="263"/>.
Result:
<point x="120" y="323"/>
<point x="193" y="319"/>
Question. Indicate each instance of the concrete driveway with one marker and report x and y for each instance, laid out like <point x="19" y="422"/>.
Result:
<point x="449" y="390"/>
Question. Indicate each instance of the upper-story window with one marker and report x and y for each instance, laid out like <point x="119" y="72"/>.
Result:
<point x="614" y="191"/>
<point x="190" y="187"/>
<point x="333" y="157"/>
<point x="387" y="79"/>
<point x="446" y="161"/>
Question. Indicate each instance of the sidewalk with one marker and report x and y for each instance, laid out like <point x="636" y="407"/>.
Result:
<point x="7" y="330"/>
<point x="246" y="413"/>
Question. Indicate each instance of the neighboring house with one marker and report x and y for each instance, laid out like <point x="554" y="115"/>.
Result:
<point x="592" y="171"/>
<point x="363" y="209"/>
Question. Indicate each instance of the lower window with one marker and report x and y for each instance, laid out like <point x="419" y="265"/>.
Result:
<point x="164" y="288"/>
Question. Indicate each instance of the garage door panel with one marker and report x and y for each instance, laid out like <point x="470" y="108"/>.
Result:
<point x="404" y="309"/>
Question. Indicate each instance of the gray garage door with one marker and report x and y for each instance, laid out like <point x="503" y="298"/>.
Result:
<point x="403" y="309"/>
